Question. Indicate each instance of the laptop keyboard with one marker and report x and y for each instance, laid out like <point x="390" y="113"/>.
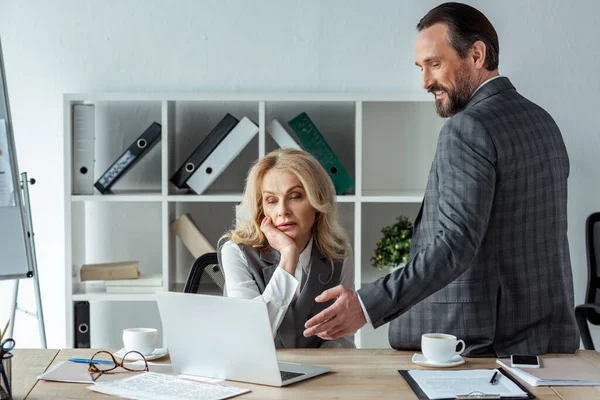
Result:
<point x="287" y="375"/>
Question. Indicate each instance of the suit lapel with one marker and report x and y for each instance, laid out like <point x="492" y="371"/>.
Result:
<point x="419" y="215"/>
<point x="270" y="262"/>
<point x="318" y="275"/>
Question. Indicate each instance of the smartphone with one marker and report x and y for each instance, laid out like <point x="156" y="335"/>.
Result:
<point x="523" y="361"/>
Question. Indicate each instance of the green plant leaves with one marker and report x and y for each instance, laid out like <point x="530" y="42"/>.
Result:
<point x="394" y="246"/>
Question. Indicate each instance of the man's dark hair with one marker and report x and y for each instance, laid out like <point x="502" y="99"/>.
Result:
<point x="466" y="25"/>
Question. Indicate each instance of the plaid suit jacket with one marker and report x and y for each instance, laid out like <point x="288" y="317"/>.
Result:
<point x="489" y="261"/>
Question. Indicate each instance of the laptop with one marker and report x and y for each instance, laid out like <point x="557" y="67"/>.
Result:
<point x="227" y="338"/>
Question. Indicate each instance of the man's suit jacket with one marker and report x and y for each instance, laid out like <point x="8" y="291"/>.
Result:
<point x="489" y="260"/>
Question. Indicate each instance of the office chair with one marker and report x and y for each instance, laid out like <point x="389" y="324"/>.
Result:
<point x="590" y="311"/>
<point x="206" y="276"/>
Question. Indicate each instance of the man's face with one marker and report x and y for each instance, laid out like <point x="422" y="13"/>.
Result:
<point x="445" y="74"/>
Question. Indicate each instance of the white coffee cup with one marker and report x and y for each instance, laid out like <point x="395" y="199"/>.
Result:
<point x="143" y="340"/>
<point x="440" y="347"/>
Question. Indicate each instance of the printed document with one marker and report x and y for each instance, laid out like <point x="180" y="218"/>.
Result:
<point x="448" y="384"/>
<point x="153" y="386"/>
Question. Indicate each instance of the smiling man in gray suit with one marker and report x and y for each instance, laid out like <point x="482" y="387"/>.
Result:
<point x="489" y="261"/>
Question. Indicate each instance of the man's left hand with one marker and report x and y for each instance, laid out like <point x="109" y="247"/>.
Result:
<point x="344" y="316"/>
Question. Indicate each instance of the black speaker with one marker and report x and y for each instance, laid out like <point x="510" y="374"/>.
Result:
<point x="82" y="324"/>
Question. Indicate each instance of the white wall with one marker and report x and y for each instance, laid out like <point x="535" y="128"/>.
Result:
<point x="548" y="48"/>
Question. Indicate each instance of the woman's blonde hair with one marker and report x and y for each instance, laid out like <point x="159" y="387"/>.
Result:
<point x="328" y="235"/>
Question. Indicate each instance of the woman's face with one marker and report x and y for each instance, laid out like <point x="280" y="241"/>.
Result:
<point x="285" y="201"/>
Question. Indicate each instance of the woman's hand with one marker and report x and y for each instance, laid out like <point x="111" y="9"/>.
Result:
<point x="285" y="245"/>
<point x="277" y="239"/>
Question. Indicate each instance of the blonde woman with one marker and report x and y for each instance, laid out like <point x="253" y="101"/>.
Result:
<point x="288" y="247"/>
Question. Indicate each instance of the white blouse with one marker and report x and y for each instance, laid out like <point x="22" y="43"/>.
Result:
<point x="282" y="287"/>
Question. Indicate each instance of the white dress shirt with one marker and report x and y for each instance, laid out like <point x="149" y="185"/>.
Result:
<point x="282" y="287"/>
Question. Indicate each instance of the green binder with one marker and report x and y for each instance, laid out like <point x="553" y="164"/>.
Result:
<point x="315" y="144"/>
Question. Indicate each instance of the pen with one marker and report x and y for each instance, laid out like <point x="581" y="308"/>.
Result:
<point x="3" y="332"/>
<point x="493" y="381"/>
<point x="87" y="361"/>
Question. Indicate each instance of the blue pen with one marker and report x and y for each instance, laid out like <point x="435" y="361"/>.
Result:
<point x="87" y="361"/>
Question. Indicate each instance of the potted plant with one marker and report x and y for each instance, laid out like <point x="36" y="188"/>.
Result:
<point x="393" y="248"/>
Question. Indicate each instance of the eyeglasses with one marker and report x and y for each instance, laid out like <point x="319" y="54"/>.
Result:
<point x="103" y="362"/>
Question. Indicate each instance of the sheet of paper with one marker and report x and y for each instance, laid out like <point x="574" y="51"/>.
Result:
<point x="200" y="378"/>
<point x="7" y="192"/>
<point x="444" y="384"/>
<point x="153" y="386"/>
<point x="183" y="376"/>
<point x="67" y="371"/>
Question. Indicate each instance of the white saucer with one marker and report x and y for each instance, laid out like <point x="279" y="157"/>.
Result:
<point x="421" y="360"/>
<point x="157" y="353"/>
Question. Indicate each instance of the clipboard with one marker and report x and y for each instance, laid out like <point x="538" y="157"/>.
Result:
<point x="474" y="395"/>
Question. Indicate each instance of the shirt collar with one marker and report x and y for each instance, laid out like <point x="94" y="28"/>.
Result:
<point x="480" y="86"/>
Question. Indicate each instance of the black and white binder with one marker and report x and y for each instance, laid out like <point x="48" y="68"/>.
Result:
<point x="83" y="149"/>
<point x="223" y="155"/>
<point x="206" y="147"/>
<point x="133" y="154"/>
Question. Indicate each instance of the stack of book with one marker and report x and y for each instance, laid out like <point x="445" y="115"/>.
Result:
<point x="230" y="136"/>
<point x="122" y="277"/>
<point x="150" y="283"/>
<point x="110" y="271"/>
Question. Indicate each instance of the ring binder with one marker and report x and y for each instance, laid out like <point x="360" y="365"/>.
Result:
<point x="222" y="156"/>
<point x="141" y="146"/>
<point x="205" y="149"/>
<point x="313" y="141"/>
<point x="83" y="149"/>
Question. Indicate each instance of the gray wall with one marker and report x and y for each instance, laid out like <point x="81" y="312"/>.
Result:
<point x="548" y="48"/>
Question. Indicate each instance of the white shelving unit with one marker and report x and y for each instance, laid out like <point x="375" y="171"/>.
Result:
<point x="385" y="141"/>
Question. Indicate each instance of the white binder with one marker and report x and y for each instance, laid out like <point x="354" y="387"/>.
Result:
<point x="83" y="149"/>
<point x="281" y="136"/>
<point x="222" y="156"/>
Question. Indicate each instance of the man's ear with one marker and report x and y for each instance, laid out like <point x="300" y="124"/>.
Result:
<point x="478" y="54"/>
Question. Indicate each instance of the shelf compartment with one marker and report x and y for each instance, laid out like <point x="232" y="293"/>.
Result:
<point x="191" y="122"/>
<point x="117" y="124"/>
<point x="374" y="217"/>
<point x="411" y="130"/>
<point x="115" y="232"/>
<point x="212" y="219"/>
<point x="334" y="120"/>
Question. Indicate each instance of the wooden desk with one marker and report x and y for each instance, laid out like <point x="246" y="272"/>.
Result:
<point x="358" y="374"/>
<point x="27" y="365"/>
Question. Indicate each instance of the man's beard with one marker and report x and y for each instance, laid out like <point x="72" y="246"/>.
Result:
<point x="458" y="95"/>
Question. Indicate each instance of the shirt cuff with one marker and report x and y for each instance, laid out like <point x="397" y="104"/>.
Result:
<point x="364" y="310"/>
<point x="281" y="288"/>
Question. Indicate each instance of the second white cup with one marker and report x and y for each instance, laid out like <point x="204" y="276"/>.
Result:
<point x="440" y="347"/>
<point x="143" y="340"/>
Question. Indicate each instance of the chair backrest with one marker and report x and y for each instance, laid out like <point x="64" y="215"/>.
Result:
<point x="206" y="276"/>
<point x="592" y="240"/>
